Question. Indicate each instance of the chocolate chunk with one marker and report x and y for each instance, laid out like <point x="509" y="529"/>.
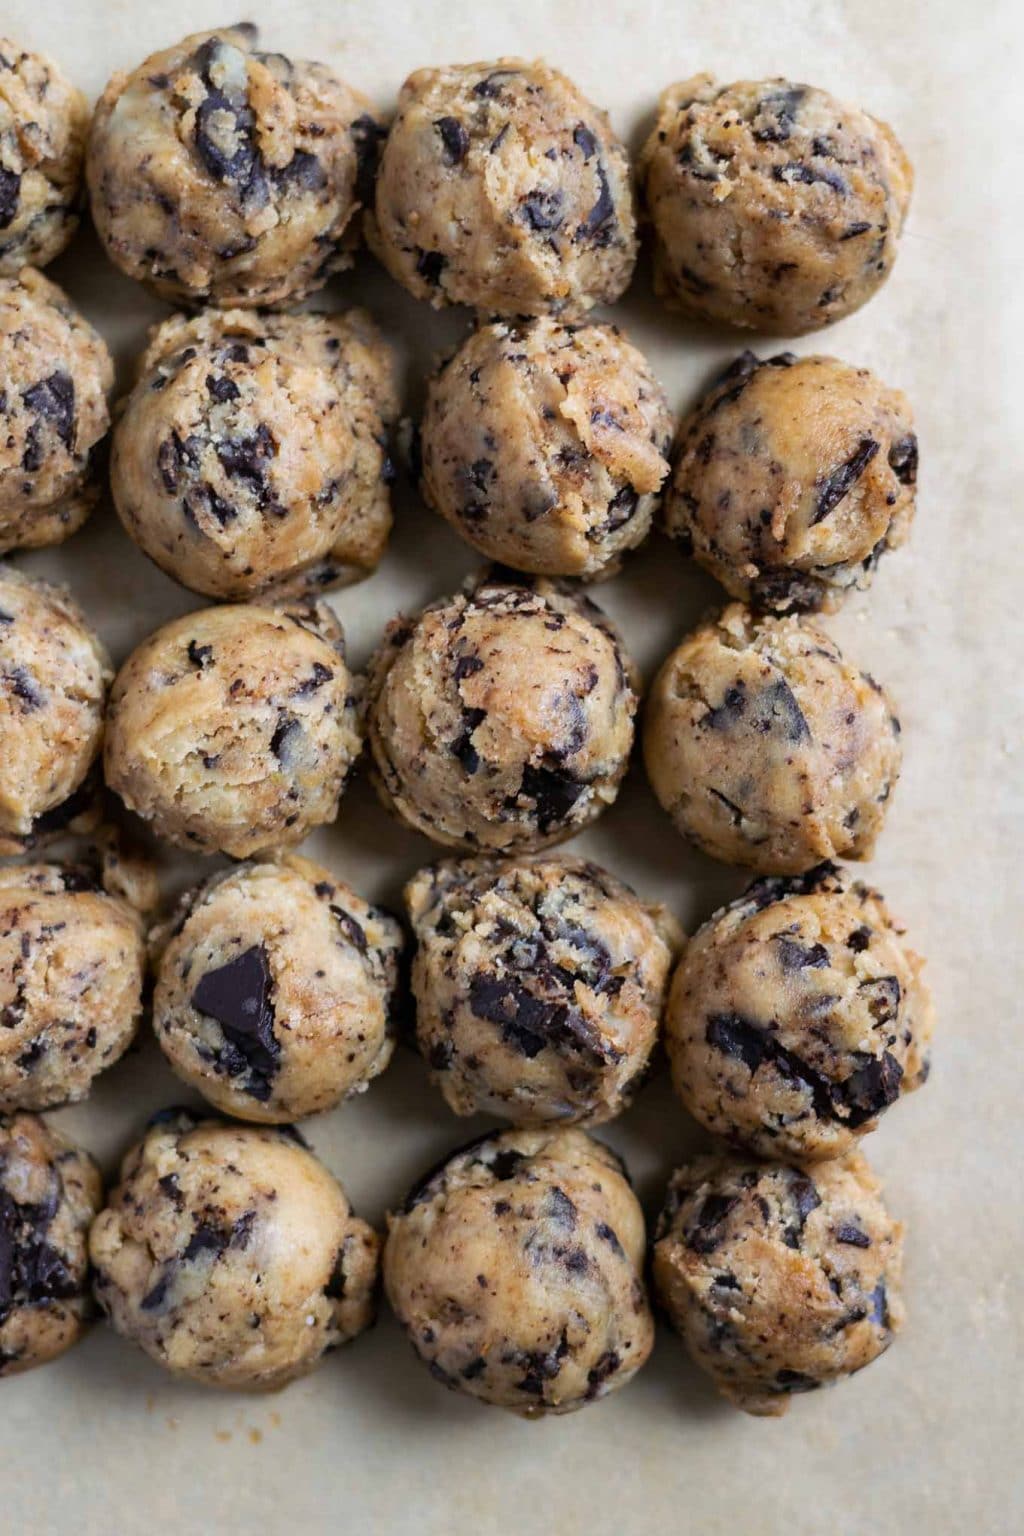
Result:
<point x="334" y="1290"/>
<point x="367" y="137"/>
<point x="462" y="747"/>
<point x="353" y="931"/>
<point x="801" y="1198"/>
<point x="200" y="655"/>
<point x="585" y="140"/>
<point x="598" y="226"/>
<point x="606" y="1366"/>
<point x="286" y="732"/>
<point x="554" y="792"/>
<point x="795" y="1381"/>
<point x="430" y="265"/>
<point x="524" y="1019"/>
<point x="206" y="1238"/>
<point x="53" y="401"/>
<point x="852" y="1236"/>
<point x="880" y="1305"/>
<point x="840" y="482"/>
<point x="704" y="1231"/>
<point x="851" y="231"/>
<point x="454" y="138"/>
<point x="799" y="957"/>
<point x="543" y="210"/>
<point x="725" y="715"/>
<point x="903" y="459"/>
<point x="32" y="1271"/>
<point x="475" y="1368"/>
<point x="244" y="163"/>
<point x="781" y="108"/>
<point x="505" y="1164"/>
<point x="320" y="675"/>
<point x="621" y="508"/>
<point x="795" y="171"/>
<point x="247" y="458"/>
<point x="304" y="172"/>
<point x="872" y="1088"/>
<point x="490" y="87"/>
<point x="157" y="1295"/>
<point x="883" y="996"/>
<point x="23" y="686"/>
<point x="238" y="996"/>
<point x="560" y="1209"/>
<point x="440" y="1055"/>
<point x="859" y="939"/>
<point x="10" y="196"/>
<point x="748" y="1042"/>
<point x="222" y="389"/>
<point x="63" y="815"/>
<point x="608" y="1235"/>
<point x="775" y="711"/>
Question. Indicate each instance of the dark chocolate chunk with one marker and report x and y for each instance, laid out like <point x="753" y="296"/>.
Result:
<point x="200" y="655"/>
<point x="430" y="265"/>
<point x="725" y="715"/>
<point x="705" y="1229"/>
<point x="608" y="1235"/>
<point x="222" y="389"/>
<point x="560" y="1209"/>
<point x="606" y="1366"/>
<point x="335" y="1287"/>
<point x="554" y="791"/>
<point x="795" y="171"/>
<point x="367" y="136"/>
<point x="801" y="1198"/>
<point x="872" y="1088"/>
<point x="598" y="226"/>
<point x="490" y="87"/>
<point x="903" y="459"/>
<point x="462" y="747"/>
<point x="799" y="957"/>
<point x="454" y="139"/>
<point x="22" y="685"/>
<point x="285" y="733"/>
<point x="304" y="172"/>
<point x="543" y="209"/>
<point x="238" y="996"/>
<point x="505" y="1164"/>
<point x="795" y="1381"/>
<point x="840" y="482"/>
<point x="853" y="1236"/>
<point x="10" y="196"/>
<point x="52" y="400"/>
<point x="585" y="140"/>
<point x="880" y="1305"/>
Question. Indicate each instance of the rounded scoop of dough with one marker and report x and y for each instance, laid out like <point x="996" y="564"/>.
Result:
<point x="43" y="123"/>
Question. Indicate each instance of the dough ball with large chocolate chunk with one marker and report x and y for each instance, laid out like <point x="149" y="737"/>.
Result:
<point x="774" y="205"/>
<point x="792" y="478"/>
<point x="778" y="1278"/>
<point x="502" y="187"/>
<point x="252" y="453"/>
<point x="230" y="1254"/>
<point x="502" y="718"/>
<point x="797" y="1015"/>
<point x="50" y="1190"/>
<point x="516" y="1269"/>
<point x="221" y="174"/>
<point x="545" y="445"/>
<point x="234" y="729"/>
<point x="274" y="990"/>
<point x="767" y="748"/>
<point x="43" y="123"/>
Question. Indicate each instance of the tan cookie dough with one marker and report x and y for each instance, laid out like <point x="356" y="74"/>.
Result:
<point x="57" y="374"/>
<point x="778" y="1279"/>
<point x="767" y="748"/>
<point x="516" y="1269"/>
<point x="54" y="675"/>
<point x="792" y="478"/>
<point x="797" y="1015"/>
<point x="545" y="445"/>
<point x="275" y="989"/>
<point x="221" y="174"/>
<point x="774" y="205"/>
<point x="501" y="718"/>
<point x="230" y="1254"/>
<point x="539" y="986"/>
<point x="50" y="1190"/>
<point x="252" y="453"/>
<point x="72" y="962"/>
<point x="43" y="123"/>
<point x="502" y="187"/>
<point x="234" y="729"/>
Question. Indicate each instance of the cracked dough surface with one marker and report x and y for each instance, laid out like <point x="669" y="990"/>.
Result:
<point x="43" y="123"/>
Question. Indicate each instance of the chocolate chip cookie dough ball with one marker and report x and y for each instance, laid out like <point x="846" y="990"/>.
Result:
<point x="797" y="1015"/>
<point x="545" y="445"/>
<point x="57" y="373"/>
<point x="501" y="186"/>
<point x="516" y="1269"/>
<point x="230" y="1254"/>
<point x="233" y="730"/>
<point x="501" y="718"/>
<point x="774" y="205"/>
<point x="54" y="675"/>
<point x="221" y="174"/>
<point x="72" y="962"/>
<point x="767" y="748"/>
<point x="778" y="1279"/>
<point x="538" y="986"/>
<point x="252" y="452"/>
<point x="273" y="994"/>
<point x="43" y="123"/>
<point x="50" y="1191"/>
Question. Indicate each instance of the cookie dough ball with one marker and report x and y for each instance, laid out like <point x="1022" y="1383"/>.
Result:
<point x="792" y="478"/>
<point x="224" y="175"/>
<point x="538" y="986"/>
<point x="779" y="1279"/>
<point x="57" y="374"/>
<point x="797" y="1015"/>
<point x="50" y="1191"/>
<point x="234" y="729"/>
<point x="72" y="962"/>
<point x="273" y="994"/>
<point x="54" y="675"/>
<point x="501" y="186"/>
<point x="43" y="123"/>
<point x="774" y="205"/>
<point x="230" y="1254"/>
<point x="767" y="748"/>
<point x="501" y="718"/>
<point x="516" y="1269"/>
<point x="545" y="445"/>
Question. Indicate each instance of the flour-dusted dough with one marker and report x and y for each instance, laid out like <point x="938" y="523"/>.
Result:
<point x="43" y="123"/>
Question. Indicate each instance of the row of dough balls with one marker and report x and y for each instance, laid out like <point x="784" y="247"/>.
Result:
<point x="221" y="174"/>
<point x="231" y="1256"/>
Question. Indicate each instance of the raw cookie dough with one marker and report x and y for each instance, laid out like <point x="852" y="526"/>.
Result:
<point x="274" y="991"/>
<point x="252" y="453"/>
<point x="767" y="748"/>
<point x="545" y="445"/>
<point x="234" y="729"/>
<point x="516" y="1269"/>
<point x="224" y="175"/>
<point x="54" y="675"/>
<point x="72" y="962"/>
<point x="779" y="1279"/>
<point x="230" y="1254"/>
<point x="50" y="1191"/>
<point x="57" y="374"/>
<point x="774" y="205"/>
<point x="501" y="186"/>
<point x="538" y="986"/>
<point x="501" y="718"/>
<point x="43" y="123"/>
<point x="797" y="1015"/>
<point x="792" y="478"/>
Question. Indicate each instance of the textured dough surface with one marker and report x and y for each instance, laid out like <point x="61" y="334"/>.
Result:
<point x="43" y="123"/>
<point x="516" y="1270"/>
<point x="502" y="187"/>
<point x="767" y="748"/>
<point x="545" y="445"/>
<point x="779" y="1279"/>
